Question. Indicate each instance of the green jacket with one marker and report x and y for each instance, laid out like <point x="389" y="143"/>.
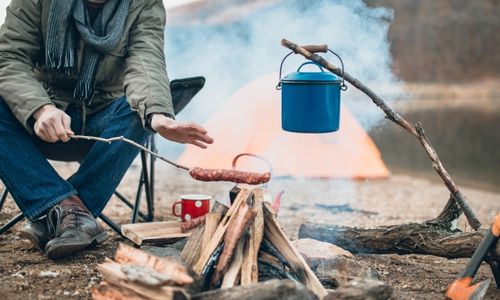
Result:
<point x="135" y="68"/>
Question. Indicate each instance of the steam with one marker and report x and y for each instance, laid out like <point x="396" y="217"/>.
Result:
<point x="233" y="53"/>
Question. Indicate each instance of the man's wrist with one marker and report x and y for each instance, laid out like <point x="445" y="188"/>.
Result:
<point x="41" y="110"/>
<point x="149" y="119"/>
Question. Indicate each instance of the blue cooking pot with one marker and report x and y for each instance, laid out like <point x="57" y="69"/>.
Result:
<point x="310" y="101"/>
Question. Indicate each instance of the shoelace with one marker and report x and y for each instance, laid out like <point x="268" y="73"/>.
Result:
<point x="59" y="219"/>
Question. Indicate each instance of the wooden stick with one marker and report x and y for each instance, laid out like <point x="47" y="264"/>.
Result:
<point x="191" y="252"/>
<point x="415" y="130"/>
<point x="232" y="275"/>
<point x="164" y="265"/>
<point x="221" y="230"/>
<point x="277" y="237"/>
<point x="236" y="230"/>
<point x="211" y="224"/>
<point x="111" y="272"/>
<point x="249" y="269"/>
<point x="123" y="139"/>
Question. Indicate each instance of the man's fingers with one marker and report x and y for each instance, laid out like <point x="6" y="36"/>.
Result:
<point x="67" y="125"/>
<point x="205" y="138"/>
<point x="199" y="144"/>
<point x="51" y="134"/>
<point x="197" y="128"/>
<point x="60" y="131"/>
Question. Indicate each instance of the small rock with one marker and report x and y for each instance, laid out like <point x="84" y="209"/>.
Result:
<point x="317" y="250"/>
<point x="339" y="270"/>
<point x="76" y="293"/>
<point x="162" y="251"/>
<point x="66" y="293"/>
<point x="48" y="274"/>
<point x="19" y="274"/>
<point x="362" y="289"/>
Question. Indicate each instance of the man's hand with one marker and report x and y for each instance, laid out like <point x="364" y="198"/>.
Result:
<point x="184" y="133"/>
<point x="52" y="124"/>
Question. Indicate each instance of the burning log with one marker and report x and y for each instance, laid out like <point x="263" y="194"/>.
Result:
<point x="418" y="238"/>
<point x="233" y="273"/>
<point x="249" y="268"/>
<point x="247" y="244"/>
<point x="235" y="230"/>
<point x="211" y="224"/>
<point x="276" y="236"/>
<point x="269" y="290"/>
<point x="416" y="130"/>
<point x="191" y="252"/>
<point x="215" y="241"/>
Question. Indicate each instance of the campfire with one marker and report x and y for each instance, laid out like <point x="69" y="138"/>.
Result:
<point x="240" y="245"/>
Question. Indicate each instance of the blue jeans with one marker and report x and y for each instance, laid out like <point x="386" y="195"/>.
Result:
<point x="36" y="186"/>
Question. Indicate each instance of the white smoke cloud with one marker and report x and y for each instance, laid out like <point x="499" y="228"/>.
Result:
<point x="229" y="55"/>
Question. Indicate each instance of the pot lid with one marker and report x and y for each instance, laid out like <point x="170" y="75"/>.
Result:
<point x="324" y="77"/>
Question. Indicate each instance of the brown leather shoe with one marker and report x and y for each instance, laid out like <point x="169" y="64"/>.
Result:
<point x="73" y="228"/>
<point x="36" y="231"/>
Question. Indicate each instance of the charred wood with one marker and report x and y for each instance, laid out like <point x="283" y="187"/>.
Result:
<point x="417" y="238"/>
<point x="268" y="290"/>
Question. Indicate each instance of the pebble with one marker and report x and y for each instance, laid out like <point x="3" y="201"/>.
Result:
<point x="19" y="274"/>
<point x="48" y="274"/>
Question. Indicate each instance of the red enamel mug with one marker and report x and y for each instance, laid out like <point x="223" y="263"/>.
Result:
<point x="192" y="206"/>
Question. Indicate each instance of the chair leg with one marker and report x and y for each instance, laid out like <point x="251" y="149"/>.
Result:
<point x="147" y="187"/>
<point x="129" y="204"/>
<point x="116" y="228"/>
<point x="5" y="193"/>
<point x="11" y="223"/>
<point x="152" y="160"/>
<point x="138" y="195"/>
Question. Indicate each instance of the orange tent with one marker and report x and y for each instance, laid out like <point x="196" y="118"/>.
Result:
<point x="251" y="122"/>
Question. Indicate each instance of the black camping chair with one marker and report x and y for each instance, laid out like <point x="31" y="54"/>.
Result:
<point x="183" y="90"/>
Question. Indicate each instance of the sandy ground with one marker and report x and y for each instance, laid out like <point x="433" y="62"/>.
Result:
<point x="396" y="200"/>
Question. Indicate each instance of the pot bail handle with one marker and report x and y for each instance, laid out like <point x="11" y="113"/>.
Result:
<point x="314" y="49"/>
<point x="343" y="86"/>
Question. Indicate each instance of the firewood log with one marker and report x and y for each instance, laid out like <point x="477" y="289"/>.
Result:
<point x="249" y="268"/>
<point x="235" y="230"/>
<point x="275" y="234"/>
<point x="112" y="273"/>
<point x="170" y="267"/>
<point x="268" y="290"/>
<point x="218" y="236"/>
<point x="191" y="252"/>
<point x="410" y="238"/>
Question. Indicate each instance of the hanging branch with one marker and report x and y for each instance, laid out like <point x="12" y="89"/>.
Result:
<point x="415" y="130"/>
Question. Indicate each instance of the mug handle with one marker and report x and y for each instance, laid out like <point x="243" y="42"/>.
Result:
<point x="174" y="208"/>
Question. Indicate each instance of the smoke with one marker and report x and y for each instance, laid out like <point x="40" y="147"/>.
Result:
<point x="231" y="48"/>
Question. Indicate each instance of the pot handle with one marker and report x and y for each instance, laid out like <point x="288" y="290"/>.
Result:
<point x="311" y="63"/>
<point x="343" y="86"/>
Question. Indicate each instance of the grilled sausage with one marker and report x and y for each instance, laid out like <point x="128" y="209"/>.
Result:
<point x="229" y="175"/>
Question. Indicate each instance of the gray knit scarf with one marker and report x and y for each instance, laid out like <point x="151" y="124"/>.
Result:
<point x="69" y="20"/>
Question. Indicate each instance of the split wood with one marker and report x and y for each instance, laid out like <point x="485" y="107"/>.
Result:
<point x="135" y="274"/>
<point x="415" y="130"/>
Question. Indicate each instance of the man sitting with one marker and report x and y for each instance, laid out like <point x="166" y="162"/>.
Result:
<point x="92" y="67"/>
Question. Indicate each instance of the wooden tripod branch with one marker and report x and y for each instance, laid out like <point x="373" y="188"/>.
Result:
<point x="415" y="130"/>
